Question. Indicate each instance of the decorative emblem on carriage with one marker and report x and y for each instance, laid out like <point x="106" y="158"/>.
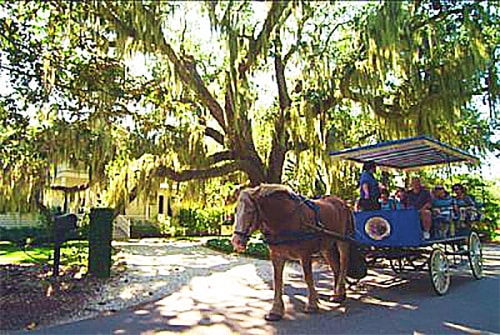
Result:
<point x="377" y="228"/>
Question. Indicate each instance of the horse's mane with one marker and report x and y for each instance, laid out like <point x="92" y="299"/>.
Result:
<point x="265" y="190"/>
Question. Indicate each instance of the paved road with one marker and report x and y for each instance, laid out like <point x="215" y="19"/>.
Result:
<point x="235" y="299"/>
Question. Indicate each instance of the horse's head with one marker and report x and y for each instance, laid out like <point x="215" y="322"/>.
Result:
<point x="247" y="219"/>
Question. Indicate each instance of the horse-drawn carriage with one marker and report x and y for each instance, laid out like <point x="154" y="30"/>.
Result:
<point x="397" y="235"/>
<point x="297" y="228"/>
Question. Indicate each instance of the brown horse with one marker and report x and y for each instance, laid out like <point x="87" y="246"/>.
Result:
<point x="291" y="227"/>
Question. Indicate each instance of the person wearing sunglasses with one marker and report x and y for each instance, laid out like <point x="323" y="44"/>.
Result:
<point x="463" y="204"/>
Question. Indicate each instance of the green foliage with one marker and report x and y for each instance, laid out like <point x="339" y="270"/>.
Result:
<point x="26" y="235"/>
<point x="72" y="253"/>
<point x="222" y="244"/>
<point x="222" y="104"/>
<point x="199" y="222"/>
<point x="254" y="249"/>
<point x="142" y="229"/>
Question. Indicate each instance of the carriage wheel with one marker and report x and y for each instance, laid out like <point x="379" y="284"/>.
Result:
<point x="475" y="255"/>
<point x="439" y="271"/>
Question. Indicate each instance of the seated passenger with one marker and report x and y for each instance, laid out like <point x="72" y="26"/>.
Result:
<point x="385" y="201"/>
<point x="441" y="202"/>
<point x="401" y="199"/>
<point x="420" y="198"/>
<point x="441" y="211"/>
<point x="369" y="191"/>
<point x="464" y="205"/>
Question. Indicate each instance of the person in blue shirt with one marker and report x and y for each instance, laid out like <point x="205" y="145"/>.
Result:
<point x="369" y="191"/>
<point x="441" y="211"/>
<point x="386" y="203"/>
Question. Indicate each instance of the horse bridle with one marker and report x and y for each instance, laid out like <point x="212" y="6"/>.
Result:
<point x="245" y="235"/>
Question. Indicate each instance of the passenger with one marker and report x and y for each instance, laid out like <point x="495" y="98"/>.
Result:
<point x="386" y="203"/>
<point x="368" y="188"/>
<point x="420" y="198"/>
<point x="461" y="197"/>
<point x="441" y="210"/>
<point x="464" y="205"/>
<point x="401" y="199"/>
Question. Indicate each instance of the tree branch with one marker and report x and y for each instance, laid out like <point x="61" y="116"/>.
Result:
<point x="256" y="45"/>
<point x="220" y="156"/>
<point x="185" y="175"/>
<point x="214" y="134"/>
<point x="185" y="68"/>
<point x="441" y="15"/>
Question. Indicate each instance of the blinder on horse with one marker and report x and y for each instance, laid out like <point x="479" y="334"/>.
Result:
<point x="245" y="235"/>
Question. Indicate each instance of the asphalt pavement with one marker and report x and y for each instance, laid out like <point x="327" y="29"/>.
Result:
<point x="234" y="300"/>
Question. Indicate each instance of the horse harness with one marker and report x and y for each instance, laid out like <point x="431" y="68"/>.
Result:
<point x="314" y="230"/>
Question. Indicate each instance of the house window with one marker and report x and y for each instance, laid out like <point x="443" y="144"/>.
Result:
<point x="160" y="204"/>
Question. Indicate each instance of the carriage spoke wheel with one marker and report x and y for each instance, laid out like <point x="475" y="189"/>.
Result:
<point x="475" y="255"/>
<point x="439" y="271"/>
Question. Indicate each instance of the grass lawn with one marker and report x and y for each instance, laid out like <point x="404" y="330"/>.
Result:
<point x="71" y="252"/>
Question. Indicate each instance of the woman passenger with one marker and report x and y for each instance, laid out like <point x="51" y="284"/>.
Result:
<point x="386" y="203"/>
<point x="401" y="199"/>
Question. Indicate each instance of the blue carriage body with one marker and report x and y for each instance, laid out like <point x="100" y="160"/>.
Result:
<point x="404" y="228"/>
<point x="401" y="228"/>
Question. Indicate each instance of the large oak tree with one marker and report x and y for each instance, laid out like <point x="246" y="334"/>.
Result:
<point x="240" y="87"/>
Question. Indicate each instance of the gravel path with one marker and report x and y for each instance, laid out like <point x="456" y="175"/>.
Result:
<point x="151" y="269"/>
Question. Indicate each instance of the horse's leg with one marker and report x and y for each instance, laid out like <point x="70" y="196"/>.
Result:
<point x="278" y="309"/>
<point x="330" y="254"/>
<point x="343" y="248"/>
<point x="312" y="296"/>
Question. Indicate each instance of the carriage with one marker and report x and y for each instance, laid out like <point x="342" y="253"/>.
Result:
<point x="296" y="228"/>
<point x="396" y="235"/>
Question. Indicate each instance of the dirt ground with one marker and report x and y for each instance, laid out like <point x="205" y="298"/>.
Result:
<point x="31" y="297"/>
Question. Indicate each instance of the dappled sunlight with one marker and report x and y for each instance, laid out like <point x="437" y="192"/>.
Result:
<point x="232" y="301"/>
<point x="389" y="304"/>
<point x="196" y="290"/>
<point x="463" y="328"/>
<point x="155" y="269"/>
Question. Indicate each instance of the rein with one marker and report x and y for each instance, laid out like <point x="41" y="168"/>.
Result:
<point x="289" y="237"/>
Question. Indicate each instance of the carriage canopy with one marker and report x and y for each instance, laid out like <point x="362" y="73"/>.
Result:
<point x="407" y="154"/>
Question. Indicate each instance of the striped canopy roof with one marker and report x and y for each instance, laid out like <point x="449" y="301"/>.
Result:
<point x="406" y="154"/>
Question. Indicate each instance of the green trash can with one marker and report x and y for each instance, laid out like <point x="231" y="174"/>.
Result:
<point x="100" y="236"/>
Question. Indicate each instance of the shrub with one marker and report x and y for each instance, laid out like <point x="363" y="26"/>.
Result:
<point x="222" y="244"/>
<point x="200" y="222"/>
<point x="19" y="235"/>
<point x="254" y="249"/>
<point x="140" y="229"/>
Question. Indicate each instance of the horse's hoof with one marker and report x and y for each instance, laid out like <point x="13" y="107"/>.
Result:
<point x="273" y="317"/>
<point x="338" y="298"/>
